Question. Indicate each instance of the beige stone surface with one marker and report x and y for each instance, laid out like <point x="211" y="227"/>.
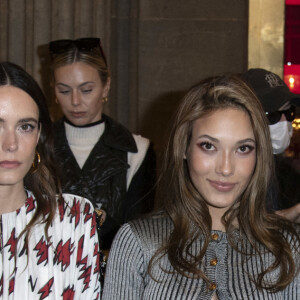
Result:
<point x="266" y="35"/>
<point x="156" y="49"/>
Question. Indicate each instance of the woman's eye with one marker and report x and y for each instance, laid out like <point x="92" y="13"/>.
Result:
<point x="27" y="127"/>
<point x="87" y="91"/>
<point x="207" y="146"/>
<point x="245" y="149"/>
<point x="64" y="92"/>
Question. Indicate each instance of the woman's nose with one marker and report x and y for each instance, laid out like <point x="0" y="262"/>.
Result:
<point x="75" y="99"/>
<point x="9" y="142"/>
<point x="225" y="164"/>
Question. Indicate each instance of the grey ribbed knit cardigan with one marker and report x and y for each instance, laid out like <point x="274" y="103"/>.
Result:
<point x="136" y="243"/>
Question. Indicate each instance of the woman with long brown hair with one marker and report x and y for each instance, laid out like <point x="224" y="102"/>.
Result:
<point x="214" y="237"/>
<point x="48" y="241"/>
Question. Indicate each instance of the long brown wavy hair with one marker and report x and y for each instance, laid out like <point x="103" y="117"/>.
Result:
<point x="183" y="203"/>
<point x="44" y="182"/>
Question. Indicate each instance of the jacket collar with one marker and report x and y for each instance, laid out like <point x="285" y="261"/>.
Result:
<point x="117" y="136"/>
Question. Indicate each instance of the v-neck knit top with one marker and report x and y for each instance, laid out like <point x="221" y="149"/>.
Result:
<point x="229" y="272"/>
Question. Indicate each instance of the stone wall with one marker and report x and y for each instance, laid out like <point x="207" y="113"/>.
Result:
<point x="156" y="49"/>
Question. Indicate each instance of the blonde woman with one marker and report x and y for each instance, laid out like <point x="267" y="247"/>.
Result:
<point x="100" y="159"/>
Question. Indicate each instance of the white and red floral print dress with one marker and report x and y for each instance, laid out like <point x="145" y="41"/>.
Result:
<point x="66" y="267"/>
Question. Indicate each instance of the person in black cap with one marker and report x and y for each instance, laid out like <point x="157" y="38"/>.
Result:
<point x="279" y="104"/>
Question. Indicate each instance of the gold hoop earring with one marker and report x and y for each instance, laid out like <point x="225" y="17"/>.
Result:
<point x="105" y="99"/>
<point x="35" y="163"/>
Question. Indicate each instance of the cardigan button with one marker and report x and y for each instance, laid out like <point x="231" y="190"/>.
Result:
<point x="215" y="236"/>
<point x="213" y="286"/>
<point x="213" y="262"/>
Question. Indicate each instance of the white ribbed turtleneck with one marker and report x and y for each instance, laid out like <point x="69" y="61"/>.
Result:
<point x="83" y="139"/>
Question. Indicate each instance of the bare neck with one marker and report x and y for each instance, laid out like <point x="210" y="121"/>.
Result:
<point x="12" y="197"/>
<point x="216" y="218"/>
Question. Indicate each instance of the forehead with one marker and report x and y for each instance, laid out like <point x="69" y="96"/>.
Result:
<point x="16" y="103"/>
<point x="227" y="123"/>
<point x="76" y="71"/>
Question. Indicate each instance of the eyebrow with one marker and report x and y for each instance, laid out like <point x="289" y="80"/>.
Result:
<point x="205" y="136"/>
<point x="80" y="85"/>
<point x="247" y="140"/>
<point x="24" y="120"/>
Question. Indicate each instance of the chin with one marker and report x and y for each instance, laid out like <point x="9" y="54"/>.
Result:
<point x="9" y="182"/>
<point x="12" y="179"/>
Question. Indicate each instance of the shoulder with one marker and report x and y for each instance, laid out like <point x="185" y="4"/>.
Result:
<point x="117" y="136"/>
<point x="69" y="201"/>
<point x="135" y="159"/>
<point x="150" y="231"/>
<point x="75" y="206"/>
<point x="152" y="223"/>
<point x="291" y="236"/>
<point x="72" y="198"/>
<point x="136" y="242"/>
<point x="142" y="143"/>
<point x="287" y="232"/>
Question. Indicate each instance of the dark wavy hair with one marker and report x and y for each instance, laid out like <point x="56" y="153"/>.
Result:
<point x="44" y="182"/>
<point x="184" y="204"/>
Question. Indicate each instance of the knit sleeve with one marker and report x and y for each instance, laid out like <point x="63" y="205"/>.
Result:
<point x="292" y="291"/>
<point x="125" y="269"/>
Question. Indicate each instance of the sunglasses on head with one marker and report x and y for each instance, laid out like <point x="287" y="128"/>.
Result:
<point x="274" y="117"/>
<point x="83" y="44"/>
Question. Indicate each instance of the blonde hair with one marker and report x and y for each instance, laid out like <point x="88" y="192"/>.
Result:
<point x="93" y="58"/>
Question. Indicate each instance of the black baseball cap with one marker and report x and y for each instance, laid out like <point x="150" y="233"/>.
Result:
<point x="270" y="89"/>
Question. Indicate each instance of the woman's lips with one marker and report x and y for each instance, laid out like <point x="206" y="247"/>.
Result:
<point x="222" y="186"/>
<point x="7" y="164"/>
<point x="77" y="114"/>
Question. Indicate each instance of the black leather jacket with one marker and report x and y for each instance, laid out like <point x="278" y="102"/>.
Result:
<point x="102" y="179"/>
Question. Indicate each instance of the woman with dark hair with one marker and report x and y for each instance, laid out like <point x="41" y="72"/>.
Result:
<point x="100" y="159"/>
<point x="48" y="243"/>
<point x="214" y="237"/>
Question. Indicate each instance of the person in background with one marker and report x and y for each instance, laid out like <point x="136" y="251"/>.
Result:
<point x="279" y="105"/>
<point x="214" y="237"/>
<point x="100" y="159"/>
<point x="48" y="242"/>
